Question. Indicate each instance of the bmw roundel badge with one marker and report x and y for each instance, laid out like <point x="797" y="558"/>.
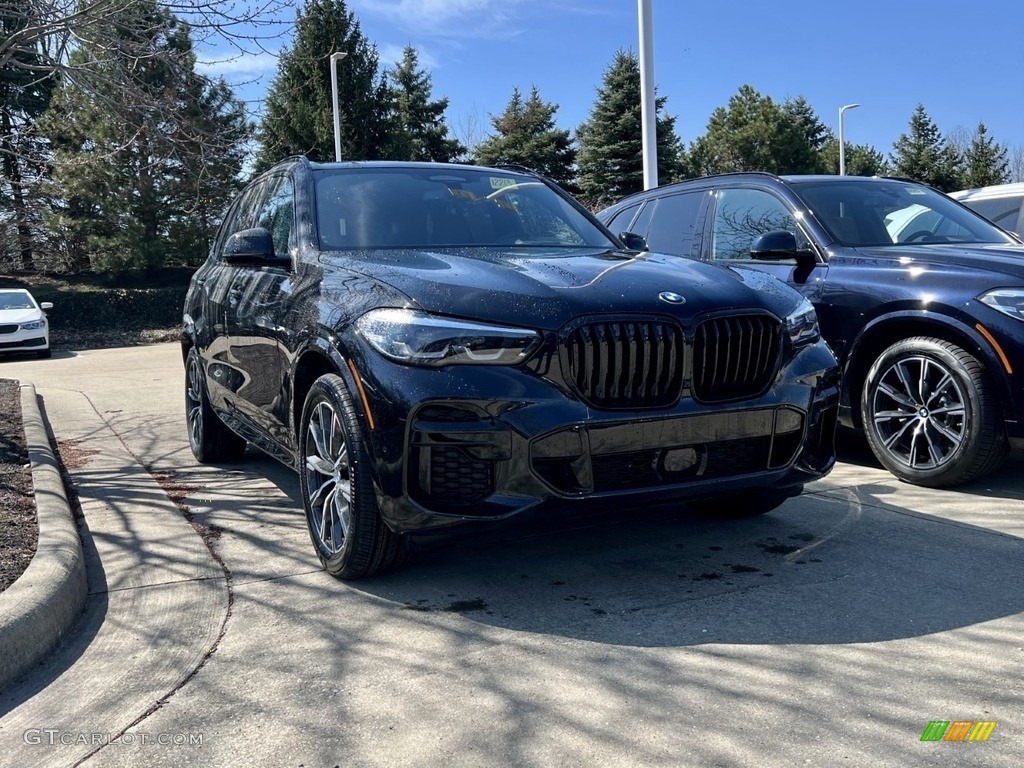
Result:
<point x="672" y="297"/>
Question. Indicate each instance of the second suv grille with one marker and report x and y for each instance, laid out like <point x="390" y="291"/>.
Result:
<point x="735" y="357"/>
<point x="626" y="363"/>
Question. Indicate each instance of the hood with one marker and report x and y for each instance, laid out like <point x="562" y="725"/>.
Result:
<point x="547" y="289"/>
<point x="19" y="316"/>
<point x="997" y="258"/>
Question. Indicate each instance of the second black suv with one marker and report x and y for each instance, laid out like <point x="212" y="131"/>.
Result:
<point x="434" y="346"/>
<point x="921" y="299"/>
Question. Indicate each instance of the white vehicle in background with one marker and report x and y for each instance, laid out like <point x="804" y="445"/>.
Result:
<point x="1002" y="204"/>
<point x="23" y="323"/>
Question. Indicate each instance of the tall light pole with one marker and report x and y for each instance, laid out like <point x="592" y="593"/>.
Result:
<point x="648" y="113"/>
<point x="842" y="139"/>
<point x="335" y="58"/>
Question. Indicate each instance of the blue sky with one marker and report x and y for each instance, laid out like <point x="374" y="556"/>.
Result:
<point x="963" y="61"/>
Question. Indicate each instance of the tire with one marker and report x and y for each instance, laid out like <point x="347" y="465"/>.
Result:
<point x="737" y="506"/>
<point x="42" y="354"/>
<point x="210" y="441"/>
<point x="345" y="526"/>
<point x="931" y="414"/>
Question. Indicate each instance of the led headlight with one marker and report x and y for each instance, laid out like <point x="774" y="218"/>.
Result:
<point x="1009" y="301"/>
<point x="416" y="338"/>
<point x="802" y="324"/>
<point x="33" y="326"/>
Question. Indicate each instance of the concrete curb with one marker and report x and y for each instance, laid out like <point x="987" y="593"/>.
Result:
<point x="45" y="601"/>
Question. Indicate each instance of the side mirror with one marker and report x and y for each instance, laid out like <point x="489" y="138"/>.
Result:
<point x="249" y="245"/>
<point x="633" y="241"/>
<point x="780" y="245"/>
<point x="46" y="305"/>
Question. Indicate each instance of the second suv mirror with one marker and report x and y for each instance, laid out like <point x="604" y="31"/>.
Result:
<point x="779" y="245"/>
<point x="633" y="241"/>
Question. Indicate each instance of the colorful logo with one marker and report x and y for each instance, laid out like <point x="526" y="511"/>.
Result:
<point x="958" y="730"/>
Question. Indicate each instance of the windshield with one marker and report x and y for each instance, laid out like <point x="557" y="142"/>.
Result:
<point x="438" y="208"/>
<point x="873" y="212"/>
<point x="16" y="300"/>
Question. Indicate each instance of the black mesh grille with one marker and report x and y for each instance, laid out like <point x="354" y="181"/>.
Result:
<point x="457" y="478"/>
<point x="734" y="357"/>
<point x="8" y="328"/>
<point x="626" y="363"/>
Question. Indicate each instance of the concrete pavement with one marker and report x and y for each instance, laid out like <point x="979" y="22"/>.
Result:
<point x="830" y="631"/>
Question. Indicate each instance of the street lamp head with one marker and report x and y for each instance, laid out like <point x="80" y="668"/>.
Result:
<point x="338" y="55"/>
<point x="848" y="106"/>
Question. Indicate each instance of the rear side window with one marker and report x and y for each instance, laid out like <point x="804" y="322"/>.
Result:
<point x="1003" y="212"/>
<point x="673" y="223"/>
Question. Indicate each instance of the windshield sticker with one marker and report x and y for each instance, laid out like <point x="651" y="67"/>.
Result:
<point x="497" y="182"/>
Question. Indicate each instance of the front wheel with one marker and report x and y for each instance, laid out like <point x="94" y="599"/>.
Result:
<point x="931" y="414"/>
<point x="344" y="523"/>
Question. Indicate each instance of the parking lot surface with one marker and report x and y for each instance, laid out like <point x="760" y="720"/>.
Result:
<point x="831" y="631"/>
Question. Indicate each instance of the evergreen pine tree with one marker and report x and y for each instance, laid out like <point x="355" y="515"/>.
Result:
<point x="861" y="159"/>
<point x="924" y="155"/>
<point x="755" y="134"/>
<point x="419" y="130"/>
<point x="985" y="162"/>
<point x="526" y="135"/>
<point x="611" y="140"/>
<point x="298" y="114"/>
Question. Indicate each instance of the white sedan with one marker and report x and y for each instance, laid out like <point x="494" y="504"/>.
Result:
<point x="23" y="324"/>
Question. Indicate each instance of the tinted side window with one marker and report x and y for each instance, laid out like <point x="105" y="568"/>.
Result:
<point x="277" y="213"/>
<point x="743" y="214"/>
<point x="242" y="215"/>
<point x="620" y="221"/>
<point x="672" y="227"/>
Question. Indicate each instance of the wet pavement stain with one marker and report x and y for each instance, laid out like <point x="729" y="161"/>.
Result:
<point x="466" y="606"/>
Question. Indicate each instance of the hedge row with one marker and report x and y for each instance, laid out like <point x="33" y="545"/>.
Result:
<point x="113" y="308"/>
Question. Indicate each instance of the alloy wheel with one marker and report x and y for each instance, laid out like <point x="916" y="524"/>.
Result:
<point x="329" y="485"/>
<point x="919" y="412"/>
<point x="194" y="402"/>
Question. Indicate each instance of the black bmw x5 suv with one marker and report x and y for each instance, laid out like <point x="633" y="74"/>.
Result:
<point x="433" y="346"/>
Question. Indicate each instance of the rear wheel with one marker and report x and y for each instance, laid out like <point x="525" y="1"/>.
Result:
<point x="931" y="414"/>
<point x="350" y="538"/>
<point x="208" y="438"/>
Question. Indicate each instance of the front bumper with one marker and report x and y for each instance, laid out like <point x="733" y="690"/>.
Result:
<point x="447" y="452"/>
<point x="23" y="340"/>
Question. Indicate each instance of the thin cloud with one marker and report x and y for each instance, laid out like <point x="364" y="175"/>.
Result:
<point x="391" y="54"/>
<point x="454" y="19"/>
<point x="240" y="64"/>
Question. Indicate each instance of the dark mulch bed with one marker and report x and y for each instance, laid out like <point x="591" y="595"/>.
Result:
<point x="61" y="338"/>
<point x="18" y="528"/>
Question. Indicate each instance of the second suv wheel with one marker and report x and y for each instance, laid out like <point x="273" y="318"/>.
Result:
<point x="930" y="414"/>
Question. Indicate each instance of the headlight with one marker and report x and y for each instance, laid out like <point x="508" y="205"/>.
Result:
<point x="1009" y="301"/>
<point x="33" y="326"/>
<point x="802" y="324"/>
<point x="417" y="338"/>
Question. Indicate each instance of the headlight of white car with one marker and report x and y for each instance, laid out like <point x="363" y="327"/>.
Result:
<point x="35" y="325"/>
<point x="418" y="338"/>
<point x="802" y="324"/>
